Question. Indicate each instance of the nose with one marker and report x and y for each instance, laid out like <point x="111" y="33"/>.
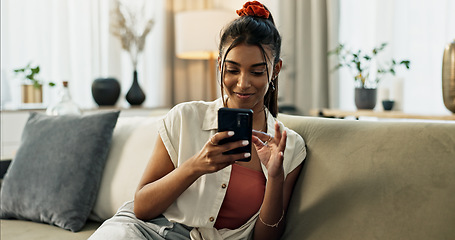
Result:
<point x="243" y="82"/>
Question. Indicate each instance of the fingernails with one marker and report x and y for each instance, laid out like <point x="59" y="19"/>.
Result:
<point x="247" y="155"/>
<point x="245" y="142"/>
<point x="230" y="133"/>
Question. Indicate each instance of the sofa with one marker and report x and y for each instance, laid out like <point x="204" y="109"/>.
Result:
<point x="360" y="180"/>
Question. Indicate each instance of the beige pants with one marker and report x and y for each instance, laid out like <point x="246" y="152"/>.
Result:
<point x="125" y="225"/>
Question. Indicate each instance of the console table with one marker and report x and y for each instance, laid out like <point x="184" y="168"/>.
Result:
<point x="337" y="113"/>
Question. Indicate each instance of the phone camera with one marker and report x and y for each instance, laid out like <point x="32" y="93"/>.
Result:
<point x="242" y="119"/>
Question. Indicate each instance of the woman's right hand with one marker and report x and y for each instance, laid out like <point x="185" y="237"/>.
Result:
<point x="211" y="158"/>
<point x="153" y="197"/>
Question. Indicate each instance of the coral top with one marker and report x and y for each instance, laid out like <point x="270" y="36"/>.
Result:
<point x="243" y="197"/>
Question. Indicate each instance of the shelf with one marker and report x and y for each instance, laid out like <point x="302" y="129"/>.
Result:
<point x="336" y="113"/>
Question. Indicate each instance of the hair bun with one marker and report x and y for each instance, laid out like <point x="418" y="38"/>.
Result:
<point x="254" y="9"/>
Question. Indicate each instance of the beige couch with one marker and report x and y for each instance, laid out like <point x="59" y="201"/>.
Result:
<point x="361" y="180"/>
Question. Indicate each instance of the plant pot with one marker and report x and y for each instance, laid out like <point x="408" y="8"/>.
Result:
<point x="387" y="104"/>
<point x="105" y="91"/>
<point x="448" y="76"/>
<point x="31" y="94"/>
<point x="365" y="98"/>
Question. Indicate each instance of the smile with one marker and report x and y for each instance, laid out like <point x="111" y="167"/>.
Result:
<point x="243" y="95"/>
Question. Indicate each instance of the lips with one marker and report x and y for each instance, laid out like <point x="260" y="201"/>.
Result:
<point x="243" y="95"/>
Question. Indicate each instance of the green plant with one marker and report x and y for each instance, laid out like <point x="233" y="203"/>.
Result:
<point x="30" y="73"/>
<point x="361" y="64"/>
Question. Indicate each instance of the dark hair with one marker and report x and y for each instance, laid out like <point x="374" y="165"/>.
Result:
<point x="260" y="32"/>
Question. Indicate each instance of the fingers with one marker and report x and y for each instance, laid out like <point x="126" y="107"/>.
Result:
<point x="277" y="132"/>
<point x="282" y="144"/>
<point x="217" y="149"/>
<point x="226" y="160"/>
<point x="267" y="138"/>
<point x="215" y="139"/>
<point x="233" y="145"/>
<point x="264" y="137"/>
<point x="257" y="141"/>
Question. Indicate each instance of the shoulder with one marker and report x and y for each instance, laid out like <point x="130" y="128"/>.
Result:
<point x="189" y="107"/>
<point x="195" y="113"/>
<point x="294" y="135"/>
<point x="189" y="110"/>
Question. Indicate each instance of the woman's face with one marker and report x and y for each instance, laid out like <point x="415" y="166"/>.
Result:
<point x="245" y="77"/>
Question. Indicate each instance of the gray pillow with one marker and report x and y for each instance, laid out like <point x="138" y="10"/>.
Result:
<point x="56" y="173"/>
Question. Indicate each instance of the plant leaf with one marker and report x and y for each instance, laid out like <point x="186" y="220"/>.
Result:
<point x="36" y="84"/>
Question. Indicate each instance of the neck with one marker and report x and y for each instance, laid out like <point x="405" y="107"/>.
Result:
<point x="259" y="118"/>
<point x="260" y="121"/>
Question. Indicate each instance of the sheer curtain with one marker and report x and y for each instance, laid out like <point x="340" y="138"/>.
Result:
<point x="309" y="29"/>
<point x="417" y="30"/>
<point x="71" y="40"/>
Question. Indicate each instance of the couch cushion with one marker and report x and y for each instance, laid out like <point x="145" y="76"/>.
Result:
<point x="56" y="173"/>
<point x="132" y="145"/>
<point x="374" y="180"/>
<point x="27" y="230"/>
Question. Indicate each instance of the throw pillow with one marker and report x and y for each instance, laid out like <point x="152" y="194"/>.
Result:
<point x="56" y="173"/>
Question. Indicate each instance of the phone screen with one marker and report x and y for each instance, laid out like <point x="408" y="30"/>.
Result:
<point x="241" y="122"/>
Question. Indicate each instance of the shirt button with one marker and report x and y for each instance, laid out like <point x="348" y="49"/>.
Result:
<point x="223" y="185"/>
<point x="211" y="219"/>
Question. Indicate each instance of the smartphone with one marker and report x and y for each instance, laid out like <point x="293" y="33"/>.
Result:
<point x="241" y="122"/>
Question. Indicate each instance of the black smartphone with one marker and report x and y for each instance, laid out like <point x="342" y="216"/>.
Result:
<point x="241" y="122"/>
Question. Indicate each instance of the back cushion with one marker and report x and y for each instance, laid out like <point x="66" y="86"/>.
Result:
<point x="132" y="145"/>
<point x="373" y="180"/>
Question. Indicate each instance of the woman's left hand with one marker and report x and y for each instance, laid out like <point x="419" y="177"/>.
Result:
<point x="270" y="150"/>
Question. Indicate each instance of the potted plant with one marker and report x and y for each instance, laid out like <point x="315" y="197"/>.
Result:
<point x="32" y="87"/>
<point x="366" y="71"/>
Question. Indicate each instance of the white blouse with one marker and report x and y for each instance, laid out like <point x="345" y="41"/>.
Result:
<point x="184" y="131"/>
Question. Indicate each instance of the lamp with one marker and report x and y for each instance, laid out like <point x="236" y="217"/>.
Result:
<point x="196" y="37"/>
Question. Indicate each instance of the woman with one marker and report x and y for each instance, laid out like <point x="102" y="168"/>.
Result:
<point x="190" y="189"/>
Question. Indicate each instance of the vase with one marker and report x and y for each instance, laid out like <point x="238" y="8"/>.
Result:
<point x="448" y="76"/>
<point x="135" y="96"/>
<point x="66" y="105"/>
<point x="105" y="91"/>
<point x="365" y="98"/>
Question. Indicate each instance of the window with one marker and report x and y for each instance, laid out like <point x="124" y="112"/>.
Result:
<point x="417" y="30"/>
<point x="71" y="40"/>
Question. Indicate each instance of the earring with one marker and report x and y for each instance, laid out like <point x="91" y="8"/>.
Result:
<point x="272" y="85"/>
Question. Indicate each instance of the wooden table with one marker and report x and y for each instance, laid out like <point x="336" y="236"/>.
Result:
<point x="337" y="113"/>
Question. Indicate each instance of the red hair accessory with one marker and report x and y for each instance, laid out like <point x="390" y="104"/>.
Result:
<point x="255" y="9"/>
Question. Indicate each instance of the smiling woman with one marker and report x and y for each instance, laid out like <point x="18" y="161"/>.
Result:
<point x="246" y="78"/>
<point x="193" y="179"/>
